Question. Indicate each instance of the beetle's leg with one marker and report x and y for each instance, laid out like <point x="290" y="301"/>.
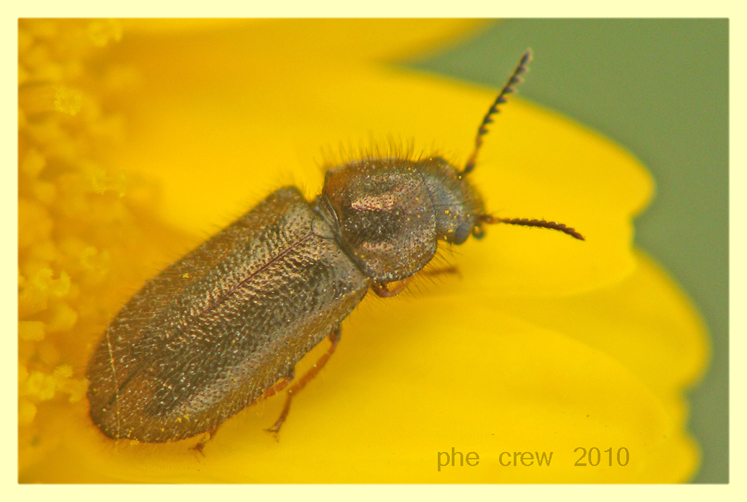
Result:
<point x="280" y="385"/>
<point x="207" y="436"/>
<point x="389" y="289"/>
<point x="383" y="290"/>
<point x="334" y="338"/>
<point x="451" y="269"/>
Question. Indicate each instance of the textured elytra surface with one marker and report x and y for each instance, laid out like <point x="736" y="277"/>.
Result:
<point x="208" y="335"/>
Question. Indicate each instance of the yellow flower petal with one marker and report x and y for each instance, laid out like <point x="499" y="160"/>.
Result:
<point x="649" y="326"/>
<point x="320" y="39"/>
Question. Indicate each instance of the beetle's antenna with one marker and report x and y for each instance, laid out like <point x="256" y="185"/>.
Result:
<point x="486" y="218"/>
<point x="507" y="89"/>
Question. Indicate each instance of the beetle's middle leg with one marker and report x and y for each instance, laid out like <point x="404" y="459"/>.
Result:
<point x="277" y="387"/>
<point x="334" y="339"/>
<point x="280" y="385"/>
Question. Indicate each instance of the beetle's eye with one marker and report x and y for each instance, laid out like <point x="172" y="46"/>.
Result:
<point x="462" y="232"/>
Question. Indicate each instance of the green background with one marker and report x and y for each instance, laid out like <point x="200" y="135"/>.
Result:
<point x="659" y="88"/>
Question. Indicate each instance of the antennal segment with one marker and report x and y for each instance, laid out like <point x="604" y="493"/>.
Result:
<point x="507" y="89"/>
<point x="533" y="223"/>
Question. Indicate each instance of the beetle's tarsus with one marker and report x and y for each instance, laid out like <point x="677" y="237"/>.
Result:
<point x="205" y="438"/>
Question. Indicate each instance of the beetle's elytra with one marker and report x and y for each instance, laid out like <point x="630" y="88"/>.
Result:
<point x="225" y="325"/>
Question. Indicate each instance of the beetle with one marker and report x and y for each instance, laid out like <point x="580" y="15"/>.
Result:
<point x="225" y="325"/>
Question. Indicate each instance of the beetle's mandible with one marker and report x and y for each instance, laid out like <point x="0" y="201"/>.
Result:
<point x="225" y="325"/>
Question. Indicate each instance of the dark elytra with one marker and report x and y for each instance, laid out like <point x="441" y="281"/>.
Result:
<point x="225" y="325"/>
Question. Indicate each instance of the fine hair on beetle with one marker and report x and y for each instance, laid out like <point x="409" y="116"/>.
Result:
<point x="225" y="325"/>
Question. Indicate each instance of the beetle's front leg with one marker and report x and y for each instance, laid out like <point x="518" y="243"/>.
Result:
<point x="389" y="289"/>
